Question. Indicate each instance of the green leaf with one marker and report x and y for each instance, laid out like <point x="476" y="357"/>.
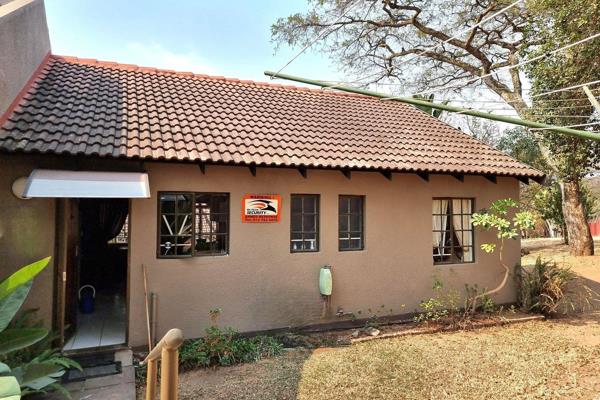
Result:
<point x="9" y="388"/>
<point x="11" y="304"/>
<point x="40" y="383"/>
<point x="4" y="369"/>
<point x="33" y="372"/>
<point x="15" y="339"/>
<point x="21" y="277"/>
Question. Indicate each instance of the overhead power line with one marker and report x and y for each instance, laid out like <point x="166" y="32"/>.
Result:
<point x="566" y="89"/>
<point x="569" y="126"/>
<point x="505" y="68"/>
<point x="324" y="33"/>
<point x="445" y="107"/>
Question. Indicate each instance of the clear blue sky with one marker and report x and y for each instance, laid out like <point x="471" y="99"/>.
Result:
<point x="230" y="38"/>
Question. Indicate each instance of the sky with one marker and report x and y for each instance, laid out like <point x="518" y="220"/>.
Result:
<point x="226" y="38"/>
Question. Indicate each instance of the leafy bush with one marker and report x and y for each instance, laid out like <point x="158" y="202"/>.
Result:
<point x="226" y="347"/>
<point x="547" y="286"/>
<point x="25" y="369"/>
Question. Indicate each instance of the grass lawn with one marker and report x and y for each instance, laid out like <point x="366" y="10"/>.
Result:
<point x="533" y="360"/>
<point x="556" y="359"/>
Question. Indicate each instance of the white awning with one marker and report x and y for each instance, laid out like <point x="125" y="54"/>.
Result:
<point x="91" y="184"/>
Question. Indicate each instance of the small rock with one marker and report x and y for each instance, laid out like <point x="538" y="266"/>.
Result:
<point x="372" y="331"/>
<point x="356" y="333"/>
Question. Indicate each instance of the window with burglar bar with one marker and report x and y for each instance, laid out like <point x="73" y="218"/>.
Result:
<point x="304" y="225"/>
<point x="351" y="223"/>
<point x="193" y="224"/>
<point x="452" y="231"/>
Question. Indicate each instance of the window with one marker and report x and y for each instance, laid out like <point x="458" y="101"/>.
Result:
<point x="304" y="225"/>
<point x="193" y="224"/>
<point x="351" y="223"/>
<point x="452" y="231"/>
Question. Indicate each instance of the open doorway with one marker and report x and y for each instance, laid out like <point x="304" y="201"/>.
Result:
<point x="97" y="300"/>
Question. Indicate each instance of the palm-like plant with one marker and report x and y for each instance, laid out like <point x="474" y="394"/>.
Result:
<point x="43" y="371"/>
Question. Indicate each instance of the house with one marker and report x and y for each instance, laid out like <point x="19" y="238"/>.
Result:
<point x="233" y="195"/>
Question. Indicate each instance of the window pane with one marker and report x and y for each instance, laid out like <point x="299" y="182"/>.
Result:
<point x="167" y="245"/>
<point x="343" y="205"/>
<point x="308" y="223"/>
<point x="296" y="204"/>
<point x="167" y="203"/>
<point x="304" y="223"/>
<point x="220" y="204"/>
<point x="344" y="223"/>
<point x="355" y="243"/>
<point x="452" y="230"/>
<point x="167" y="225"/>
<point x="296" y="241"/>
<point x="184" y="225"/>
<point x="355" y="222"/>
<point x="219" y="244"/>
<point x="344" y="244"/>
<point x="310" y="241"/>
<point x="310" y="204"/>
<point x="356" y="205"/>
<point x="184" y="203"/>
<point x="296" y="223"/>
<point x="184" y="245"/>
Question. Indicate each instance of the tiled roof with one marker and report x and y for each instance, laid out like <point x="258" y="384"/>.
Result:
<point x="86" y="107"/>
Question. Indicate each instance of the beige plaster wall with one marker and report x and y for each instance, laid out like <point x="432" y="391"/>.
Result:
<point x="261" y="285"/>
<point x="27" y="232"/>
<point x="24" y="42"/>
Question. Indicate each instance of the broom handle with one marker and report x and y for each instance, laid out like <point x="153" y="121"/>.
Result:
<point x="147" y="308"/>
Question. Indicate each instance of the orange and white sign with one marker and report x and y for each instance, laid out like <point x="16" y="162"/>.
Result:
<point x="261" y="208"/>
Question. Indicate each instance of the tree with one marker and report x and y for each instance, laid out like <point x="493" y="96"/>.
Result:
<point x="558" y="23"/>
<point x="548" y="203"/>
<point x="497" y="219"/>
<point x="403" y="42"/>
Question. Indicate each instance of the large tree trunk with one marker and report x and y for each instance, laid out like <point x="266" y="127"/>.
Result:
<point x="578" y="230"/>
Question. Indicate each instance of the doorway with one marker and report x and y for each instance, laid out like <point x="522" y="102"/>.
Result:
<point x="96" y="287"/>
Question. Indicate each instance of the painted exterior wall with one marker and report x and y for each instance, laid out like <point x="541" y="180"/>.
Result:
<point x="261" y="285"/>
<point x="27" y="234"/>
<point x="24" y="41"/>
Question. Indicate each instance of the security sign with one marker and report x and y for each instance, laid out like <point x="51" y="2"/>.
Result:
<point x="261" y="208"/>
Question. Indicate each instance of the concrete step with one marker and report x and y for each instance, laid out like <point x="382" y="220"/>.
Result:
<point x="112" y="387"/>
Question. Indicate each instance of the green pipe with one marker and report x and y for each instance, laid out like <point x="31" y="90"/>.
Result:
<point x="445" y="107"/>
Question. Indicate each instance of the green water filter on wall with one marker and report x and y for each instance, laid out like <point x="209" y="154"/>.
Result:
<point x="325" y="281"/>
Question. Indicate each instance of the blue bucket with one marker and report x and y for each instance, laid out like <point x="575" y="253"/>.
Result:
<point x="87" y="299"/>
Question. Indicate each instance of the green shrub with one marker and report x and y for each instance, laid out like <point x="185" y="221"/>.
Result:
<point x="226" y="347"/>
<point x="547" y="286"/>
<point x="28" y="364"/>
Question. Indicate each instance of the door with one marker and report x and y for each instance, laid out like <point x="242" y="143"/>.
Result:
<point x="67" y="225"/>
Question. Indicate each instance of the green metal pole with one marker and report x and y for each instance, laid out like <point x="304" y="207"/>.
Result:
<point x="445" y="107"/>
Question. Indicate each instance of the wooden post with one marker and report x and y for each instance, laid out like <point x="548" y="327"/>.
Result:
<point x="169" y="376"/>
<point x="167" y="350"/>
<point x="151" y="379"/>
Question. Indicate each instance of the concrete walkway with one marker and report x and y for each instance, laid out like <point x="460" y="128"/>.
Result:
<point x="112" y="387"/>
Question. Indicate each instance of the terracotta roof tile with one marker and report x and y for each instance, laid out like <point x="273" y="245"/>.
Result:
<point x="86" y="107"/>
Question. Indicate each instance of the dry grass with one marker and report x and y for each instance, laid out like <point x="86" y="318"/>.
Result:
<point x="526" y="361"/>
<point x="534" y="360"/>
<point x="556" y="359"/>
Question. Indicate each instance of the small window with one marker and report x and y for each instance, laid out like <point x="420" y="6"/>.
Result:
<point x="193" y="224"/>
<point x="304" y="225"/>
<point x="351" y="223"/>
<point x="452" y="231"/>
